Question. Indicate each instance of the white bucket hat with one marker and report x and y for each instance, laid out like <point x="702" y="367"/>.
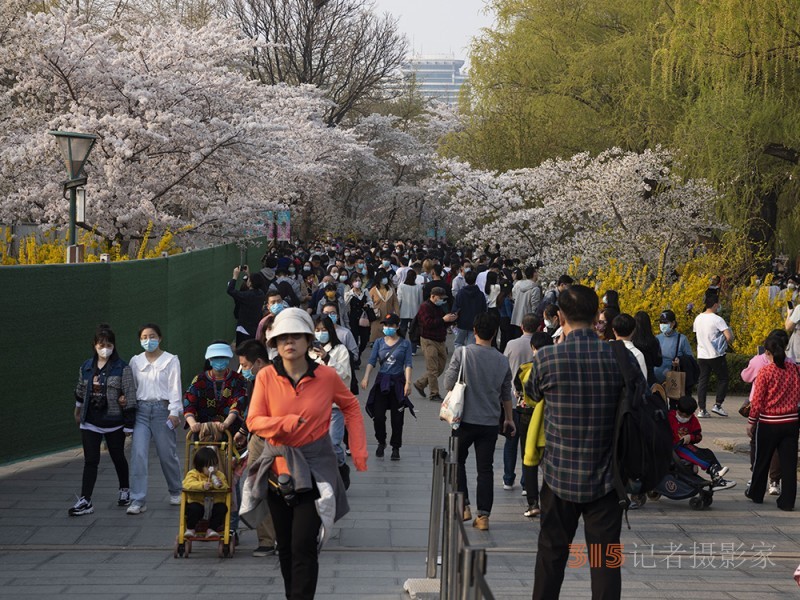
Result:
<point x="290" y="320"/>
<point x="219" y="351"/>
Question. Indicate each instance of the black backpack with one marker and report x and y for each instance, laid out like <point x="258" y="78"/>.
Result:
<point x="642" y="451"/>
<point x="413" y="331"/>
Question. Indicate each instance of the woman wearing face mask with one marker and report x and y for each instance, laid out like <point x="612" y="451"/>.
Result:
<point x="392" y="385"/>
<point x="384" y="301"/>
<point x="409" y="294"/>
<point x="214" y="395"/>
<point x="105" y="407"/>
<point x="159" y="406"/>
<point x="603" y="324"/>
<point x="673" y="346"/>
<point x="328" y="350"/>
<point x="360" y="310"/>
<point x="648" y="345"/>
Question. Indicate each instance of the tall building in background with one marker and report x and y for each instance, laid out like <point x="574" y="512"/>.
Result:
<point x="438" y="77"/>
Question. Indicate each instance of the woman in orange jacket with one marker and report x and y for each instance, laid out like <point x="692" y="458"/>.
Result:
<point x="291" y="409"/>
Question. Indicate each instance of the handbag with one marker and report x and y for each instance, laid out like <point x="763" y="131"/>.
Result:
<point x="744" y="409"/>
<point x="675" y="384"/>
<point x="363" y="320"/>
<point x="453" y="403"/>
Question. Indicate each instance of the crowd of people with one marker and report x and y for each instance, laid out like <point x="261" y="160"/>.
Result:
<point x="320" y="322"/>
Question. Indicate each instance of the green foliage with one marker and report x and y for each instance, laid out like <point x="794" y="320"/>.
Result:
<point x="718" y="81"/>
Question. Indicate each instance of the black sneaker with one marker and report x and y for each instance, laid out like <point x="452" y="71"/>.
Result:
<point x="436" y="398"/>
<point x="379" y="450"/>
<point x="81" y="507"/>
<point x="395" y="454"/>
<point x="124" y="497"/>
<point x="264" y="551"/>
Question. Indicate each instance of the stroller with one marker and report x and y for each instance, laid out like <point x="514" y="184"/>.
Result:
<point x="228" y="457"/>
<point x="681" y="481"/>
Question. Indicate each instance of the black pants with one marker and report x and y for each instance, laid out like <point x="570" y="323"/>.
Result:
<point x="720" y="367"/>
<point x="484" y="438"/>
<point x="384" y="402"/>
<point x="506" y="333"/>
<point x="602" y="522"/>
<point x="296" y="530"/>
<point x="530" y="475"/>
<point x="361" y="334"/>
<point x="774" y="464"/>
<point x="91" y="458"/>
<point x="195" y="510"/>
<point x="769" y="438"/>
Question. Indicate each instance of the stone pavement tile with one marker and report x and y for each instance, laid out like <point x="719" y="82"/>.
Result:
<point x="408" y="538"/>
<point x="55" y="535"/>
<point x="364" y="536"/>
<point x="25" y="590"/>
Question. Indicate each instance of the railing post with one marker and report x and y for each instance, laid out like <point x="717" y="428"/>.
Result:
<point x="435" y="521"/>
<point x="478" y="566"/>
<point x="447" y="542"/>
<point x="467" y="565"/>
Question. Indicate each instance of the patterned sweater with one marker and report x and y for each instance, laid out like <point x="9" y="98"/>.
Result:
<point x="209" y="400"/>
<point x="776" y="395"/>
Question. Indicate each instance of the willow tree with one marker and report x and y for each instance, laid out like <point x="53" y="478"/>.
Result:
<point x="716" y="81"/>
<point x="740" y="127"/>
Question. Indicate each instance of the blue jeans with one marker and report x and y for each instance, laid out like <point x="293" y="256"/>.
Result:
<point x="464" y="337"/>
<point x="336" y="432"/>
<point x="151" y="422"/>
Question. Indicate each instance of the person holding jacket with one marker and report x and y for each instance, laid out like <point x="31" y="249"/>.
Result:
<point x="470" y="302"/>
<point x="433" y="323"/>
<point x="291" y="410"/>
<point x="105" y="408"/>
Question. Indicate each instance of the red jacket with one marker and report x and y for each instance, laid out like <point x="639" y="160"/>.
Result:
<point x="691" y="427"/>
<point x="431" y="322"/>
<point x="776" y="394"/>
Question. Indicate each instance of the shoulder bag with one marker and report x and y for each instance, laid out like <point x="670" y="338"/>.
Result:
<point x="453" y="403"/>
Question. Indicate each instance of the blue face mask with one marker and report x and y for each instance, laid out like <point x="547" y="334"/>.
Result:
<point x="665" y="327"/>
<point x="323" y="337"/>
<point x="306" y="268"/>
<point x="384" y="281"/>
<point x="440" y="302"/>
<point x="276" y="308"/>
<point x="149" y="345"/>
<point x="390" y="331"/>
<point x="364" y="271"/>
<point x="334" y="317"/>
<point x="219" y="364"/>
<point x="248" y="374"/>
<point x="291" y="269"/>
<point x="386" y="264"/>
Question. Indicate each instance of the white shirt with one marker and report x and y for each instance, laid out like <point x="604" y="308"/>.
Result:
<point x="339" y="359"/>
<point x="638" y="355"/>
<point x="709" y="327"/>
<point x="159" y="380"/>
<point x="480" y="281"/>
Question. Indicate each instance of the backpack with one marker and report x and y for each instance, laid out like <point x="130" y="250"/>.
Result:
<point x="413" y="330"/>
<point x="642" y="447"/>
<point x="521" y="381"/>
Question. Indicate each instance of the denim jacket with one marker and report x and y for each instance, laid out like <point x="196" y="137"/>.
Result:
<point x="118" y="381"/>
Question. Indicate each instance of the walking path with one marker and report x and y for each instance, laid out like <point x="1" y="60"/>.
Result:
<point x="733" y="550"/>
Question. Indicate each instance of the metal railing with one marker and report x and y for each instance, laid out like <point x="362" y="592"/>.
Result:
<point x="463" y="564"/>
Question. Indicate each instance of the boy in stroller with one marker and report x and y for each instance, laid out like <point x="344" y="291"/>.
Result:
<point x="686" y="432"/>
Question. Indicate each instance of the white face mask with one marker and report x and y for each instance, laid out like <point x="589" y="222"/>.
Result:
<point x="682" y="419"/>
<point x="104" y="352"/>
<point x="549" y="324"/>
<point x="357" y="283"/>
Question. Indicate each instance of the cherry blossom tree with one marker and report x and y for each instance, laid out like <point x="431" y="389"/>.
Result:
<point x="186" y="140"/>
<point x="622" y="205"/>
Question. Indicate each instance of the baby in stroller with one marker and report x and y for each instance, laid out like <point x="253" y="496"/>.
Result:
<point x="686" y="432"/>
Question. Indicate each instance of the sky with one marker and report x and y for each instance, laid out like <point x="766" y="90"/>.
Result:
<point x="438" y="26"/>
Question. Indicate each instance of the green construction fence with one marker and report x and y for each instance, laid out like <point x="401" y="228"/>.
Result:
<point x="48" y="315"/>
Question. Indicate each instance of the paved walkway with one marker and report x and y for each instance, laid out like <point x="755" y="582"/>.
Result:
<point x="733" y="550"/>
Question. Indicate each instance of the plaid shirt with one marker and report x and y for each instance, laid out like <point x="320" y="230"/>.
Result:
<point x="580" y="382"/>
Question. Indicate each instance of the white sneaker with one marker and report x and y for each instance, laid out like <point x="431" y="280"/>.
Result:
<point x="703" y="414"/>
<point x="718" y="410"/>
<point x="211" y="533"/>
<point x="189" y="533"/>
<point x="774" y="488"/>
<point x="723" y="484"/>
<point x="136" y="509"/>
<point x="508" y="487"/>
<point x="175" y="500"/>
<point x="524" y="492"/>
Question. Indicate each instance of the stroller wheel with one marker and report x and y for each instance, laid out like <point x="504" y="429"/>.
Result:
<point x="707" y="499"/>
<point x="654" y="495"/>
<point x="697" y="503"/>
<point x="179" y="550"/>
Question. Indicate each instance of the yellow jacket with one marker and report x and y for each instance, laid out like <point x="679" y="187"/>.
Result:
<point x="194" y="484"/>
<point x="534" y="442"/>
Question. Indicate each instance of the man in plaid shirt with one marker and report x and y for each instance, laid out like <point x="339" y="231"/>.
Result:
<point x="580" y="382"/>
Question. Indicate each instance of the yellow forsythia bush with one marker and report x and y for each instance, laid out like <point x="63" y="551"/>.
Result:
<point x="748" y="309"/>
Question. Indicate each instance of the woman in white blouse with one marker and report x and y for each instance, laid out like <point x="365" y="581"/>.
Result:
<point x="409" y="294"/>
<point x="158" y="382"/>
<point x="328" y="350"/>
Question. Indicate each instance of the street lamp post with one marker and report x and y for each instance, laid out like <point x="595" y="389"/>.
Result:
<point x="75" y="149"/>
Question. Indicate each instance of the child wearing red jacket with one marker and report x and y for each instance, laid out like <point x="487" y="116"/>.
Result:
<point x="686" y="432"/>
